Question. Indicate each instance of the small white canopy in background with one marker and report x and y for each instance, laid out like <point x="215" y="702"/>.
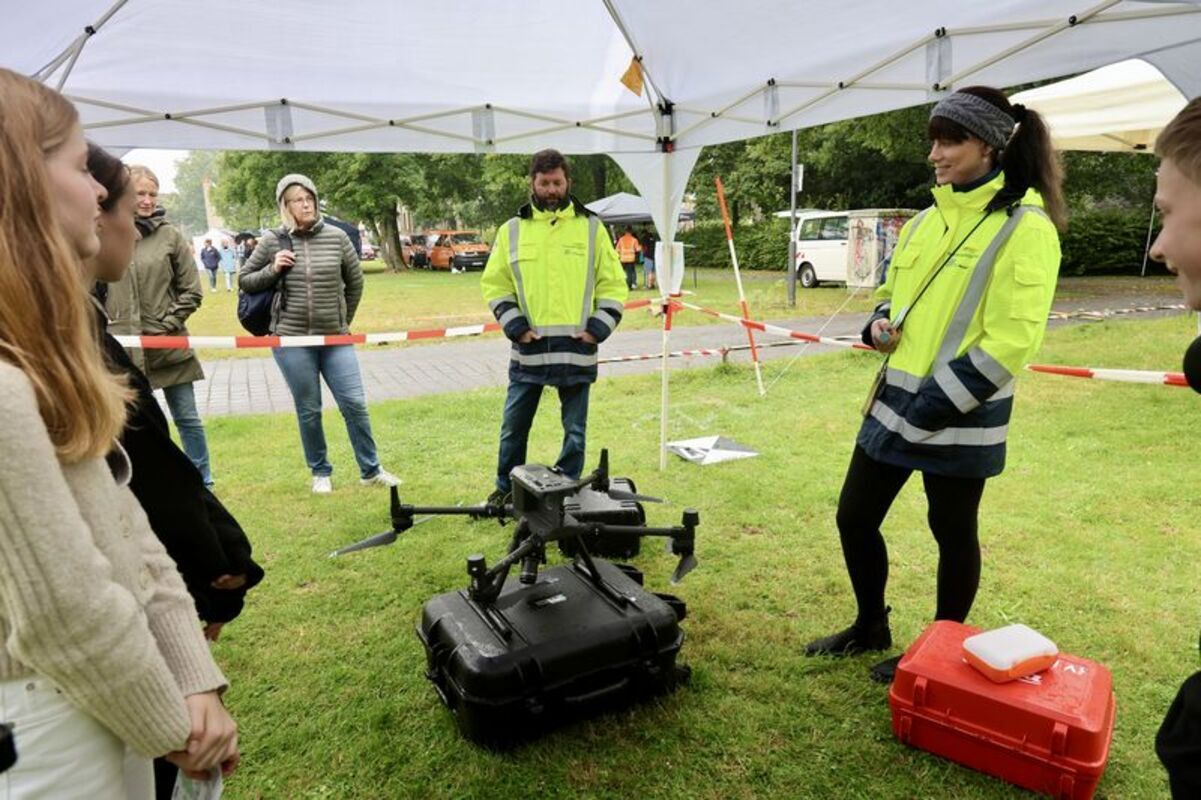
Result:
<point x="1120" y="107"/>
<point x="624" y="208"/>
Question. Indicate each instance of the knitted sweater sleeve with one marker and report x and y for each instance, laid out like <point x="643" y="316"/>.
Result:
<point x="65" y="617"/>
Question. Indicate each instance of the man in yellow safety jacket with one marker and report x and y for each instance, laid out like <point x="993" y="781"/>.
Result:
<point x="554" y="283"/>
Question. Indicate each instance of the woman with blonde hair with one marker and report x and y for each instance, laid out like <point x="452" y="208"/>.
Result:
<point x="103" y="664"/>
<point x="156" y="296"/>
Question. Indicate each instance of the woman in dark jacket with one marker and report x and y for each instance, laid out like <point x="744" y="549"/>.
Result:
<point x="205" y="541"/>
<point x="318" y="282"/>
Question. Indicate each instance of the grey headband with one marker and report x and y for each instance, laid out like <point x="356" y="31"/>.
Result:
<point x="979" y="116"/>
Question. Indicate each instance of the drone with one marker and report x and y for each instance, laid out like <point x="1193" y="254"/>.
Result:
<point x="539" y="506"/>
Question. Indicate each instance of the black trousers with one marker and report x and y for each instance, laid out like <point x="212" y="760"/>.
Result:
<point x="867" y="494"/>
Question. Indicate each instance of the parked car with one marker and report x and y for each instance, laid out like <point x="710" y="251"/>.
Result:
<point x="368" y="251"/>
<point x="457" y="250"/>
<point x="846" y="247"/>
<point x="413" y="252"/>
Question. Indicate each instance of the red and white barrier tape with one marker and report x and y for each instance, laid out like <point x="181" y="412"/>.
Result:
<point x="720" y="351"/>
<point x="239" y="342"/>
<point x="1122" y="375"/>
<point x="779" y="331"/>
<point x="1112" y="312"/>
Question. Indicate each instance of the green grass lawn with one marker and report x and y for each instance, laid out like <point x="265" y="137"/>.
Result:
<point x="1089" y="536"/>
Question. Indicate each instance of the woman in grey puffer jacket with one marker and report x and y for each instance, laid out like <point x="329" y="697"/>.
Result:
<point x="318" y="284"/>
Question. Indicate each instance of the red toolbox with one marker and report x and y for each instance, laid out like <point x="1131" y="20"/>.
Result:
<point x="1049" y="732"/>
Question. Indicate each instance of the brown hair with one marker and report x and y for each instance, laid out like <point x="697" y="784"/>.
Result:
<point x="545" y="161"/>
<point x="46" y="325"/>
<point x="110" y="172"/>
<point x="1180" y="141"/>
<point x="1028" y="160"/>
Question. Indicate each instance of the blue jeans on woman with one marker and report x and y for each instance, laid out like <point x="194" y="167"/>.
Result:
<point x="303" y="368"/>
<point x="181" y="399"/>
<point x="520" y="406"/>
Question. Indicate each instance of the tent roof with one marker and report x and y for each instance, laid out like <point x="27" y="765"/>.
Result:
<point x="626" y="208"/>
<point x="1122" y="106"/>
<point x="516" y="76"/>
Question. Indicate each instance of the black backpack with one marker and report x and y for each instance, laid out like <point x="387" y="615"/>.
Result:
<point x="254" y="308"/>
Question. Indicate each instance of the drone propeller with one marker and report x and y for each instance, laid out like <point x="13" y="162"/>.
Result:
<point x="379" y="540"/>
<point x="687" y="564"/>
<point x="621" y="494"/>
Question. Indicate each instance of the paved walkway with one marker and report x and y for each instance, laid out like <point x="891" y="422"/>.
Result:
<point x="255" y="386"/>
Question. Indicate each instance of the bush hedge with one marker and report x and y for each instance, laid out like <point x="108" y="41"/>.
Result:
<point x="1098" y="240"/>
<point x="1105" y="240"/>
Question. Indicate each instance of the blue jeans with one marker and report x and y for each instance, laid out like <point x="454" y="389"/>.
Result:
<point x="303" y="368"/>
<point x="520" y="406"/>
<point x="181" y="399"/>
<point x="212" y="278"/>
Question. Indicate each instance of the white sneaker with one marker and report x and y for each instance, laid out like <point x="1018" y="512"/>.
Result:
<point x="322" y="484"/>
<point x="381" y="478"/>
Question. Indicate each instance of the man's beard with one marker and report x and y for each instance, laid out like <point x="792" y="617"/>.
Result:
<point x="552" y="203"/>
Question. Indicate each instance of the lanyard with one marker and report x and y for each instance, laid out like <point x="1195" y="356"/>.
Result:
<point x="930" y="278"/>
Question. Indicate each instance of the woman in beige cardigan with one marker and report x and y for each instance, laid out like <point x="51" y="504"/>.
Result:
<point x="103" y="664"/>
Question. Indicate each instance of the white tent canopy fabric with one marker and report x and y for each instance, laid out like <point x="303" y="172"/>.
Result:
<point x="1120" y="107"/>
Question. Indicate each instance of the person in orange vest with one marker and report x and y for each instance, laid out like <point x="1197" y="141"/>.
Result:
<point x="628" y="249"/>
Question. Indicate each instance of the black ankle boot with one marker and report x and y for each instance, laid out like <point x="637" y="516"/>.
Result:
<point x="859" y="638"/>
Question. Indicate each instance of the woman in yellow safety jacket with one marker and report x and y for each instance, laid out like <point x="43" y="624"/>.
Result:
<point x="963" y="308"/>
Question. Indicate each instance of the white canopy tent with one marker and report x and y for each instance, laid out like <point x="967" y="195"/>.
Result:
<point x="522" y="75"/>
<point x="1120" y="107"/>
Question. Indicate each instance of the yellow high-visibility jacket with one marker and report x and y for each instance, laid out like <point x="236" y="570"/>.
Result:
<point x="948" y="396"/>
<point x="555" y="272"/>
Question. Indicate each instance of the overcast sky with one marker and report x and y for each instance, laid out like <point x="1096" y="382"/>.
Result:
<point x="161" y="163"/>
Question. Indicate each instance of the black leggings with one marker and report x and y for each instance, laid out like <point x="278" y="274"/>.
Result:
<point x="868" y="493"/>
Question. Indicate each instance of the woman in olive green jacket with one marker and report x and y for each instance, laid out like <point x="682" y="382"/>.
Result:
<point x="157" y="295"/>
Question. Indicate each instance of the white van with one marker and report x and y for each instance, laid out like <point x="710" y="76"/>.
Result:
<point x="846" y="247"/>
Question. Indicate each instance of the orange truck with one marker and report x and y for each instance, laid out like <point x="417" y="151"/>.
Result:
<point x="457" y="251"/>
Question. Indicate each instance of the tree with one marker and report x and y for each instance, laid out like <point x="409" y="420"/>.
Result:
<point x="186" y="209"/>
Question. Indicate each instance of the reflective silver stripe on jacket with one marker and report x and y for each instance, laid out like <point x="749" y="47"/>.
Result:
<point x="975" y="288"/>
<point x="509" y="316"/>
<point x="589" y="284"/>
<point x="514" y="228"/>
<point x="551" y="359"/>
<point x="975" y="437"/>
<point x="942" y="374"/>
<point x="509" y="298"/>
<point x="913" y="383"/>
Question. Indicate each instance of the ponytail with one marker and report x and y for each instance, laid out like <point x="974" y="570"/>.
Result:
<point x="1028" y="160"/>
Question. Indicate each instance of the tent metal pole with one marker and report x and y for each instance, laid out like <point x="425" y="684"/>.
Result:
<point x="625" y="32"/>
<point x="1147" y="245"/>
<point x="792" y="225"/>
<point x="462" y="137"/>
<point x="73" y="50"/>
<point x="717" y="114"/>
<point x="1058" y="27"/>
<point x="854" y="79"/>
<point x="669" y="284"/>
<point x="646" y="137"/>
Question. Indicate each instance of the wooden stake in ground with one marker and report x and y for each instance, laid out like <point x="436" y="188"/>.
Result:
<point x="746" y="314"/>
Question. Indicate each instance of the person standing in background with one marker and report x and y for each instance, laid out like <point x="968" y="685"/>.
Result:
<point x="158" y="294"/>
<point x="628" y="249"/>
<point x="211" y="259"/>
<point x="229" y="264"/>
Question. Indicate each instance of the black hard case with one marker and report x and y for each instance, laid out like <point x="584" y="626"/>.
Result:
<point x="589" y="505"/>
<point x="547" y="653"/>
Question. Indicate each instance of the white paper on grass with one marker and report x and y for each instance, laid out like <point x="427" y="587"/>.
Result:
<point x="710" y="450"/>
